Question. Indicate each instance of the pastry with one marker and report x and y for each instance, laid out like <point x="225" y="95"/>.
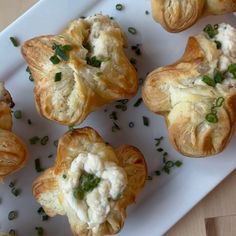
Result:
<point x="197" y="94"/>
<point x="91" y="183"/>
<point x="178" y="15"/>
<point x="13" y="151"/>
<point x="80" y="70"/>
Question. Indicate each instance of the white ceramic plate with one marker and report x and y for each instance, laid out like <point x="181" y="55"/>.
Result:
<point x="166" y="198"/>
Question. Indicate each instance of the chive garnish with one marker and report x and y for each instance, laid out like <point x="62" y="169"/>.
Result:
<point x="211" y="118"/>
<point x="132" y="61"/>
<point x="12" y="232"/>
<point x="119" y="7"/>
<point x="62" y="51"/>
<point x="14" y="41"/>
<point x="145" y="121"/>
<point x="219" y="101"/>
<point x="30" y="74"/>
<point x="132" y="30"/>
<point x="93" y="61"/>
<point x="34" y="140"/>
<point x="138" y="102"/>
<point x="147" y="12"/>
<point x="50" y="156"/>
<point x="113" y="116"/>
<point x="44" y="140"/>
<point x="158" y="141"/>
<point x="178" y="163"/>
<point x="71" y="127"/>
<point x="57" y="77"/>
<point x="18" y="114"/>
<point x="131" y="124"/>
<point x="11" y="185"/>
<point x="39" y="231"/>
<point x="232" y="69"/>
<point x="166" y="170"/>
<point x="218" y="44"/>
<point x="37" y="165"/>
<point x="211" y="31"/>
<point x="206" y="79"/>
<point x="157" y="172"/>
<point x="64" y="176"/>
<point x="218" y="78"/>
<point x="12" y="215"/>
<point x="54" y="59"/>
<point x="160" y="150"/>
<point x="29" y="122"/>
<point x="15" y="191"/>
<point x="165" y="154"/>
<point x="42" y="213"/>
<point x="169" y="164"/>
<point x="55" y="143"/>
<point x="115" y="127"/>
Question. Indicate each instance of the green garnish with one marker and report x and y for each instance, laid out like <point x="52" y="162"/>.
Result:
<point x="87" y="46"/>
<point x="37" y="165"/>
<point x="115" y="127"/>
<point x="206" y="79"/>
<point x="157" y="172"/>
<point x="145" y="121"/>
<point x="39" y="231"/>
<point x="54" y="59"/>
<point x="132" y="30"/>
<point x="87" y="182"/>
<point x="14" y="41"/>
<point x="169" y="164"/>
<point x="50" y="156"/>
<point x="93" y="61"/>
<point x="62" y="51"/>
<point x="15" y="191"/>
<point x="29" y="122"/>
<point x="166" y="169"/>
<point x="44" y="140"/>
<point x="55" y="143"/>
<point x="158" y="141"/>
<point x="119" y="7"/>
<point x="219" y="101"/>
<point x="132" y="61"/>
<point x="11" y="185"/>
<point x="165" y="154"/>
<point x="147" y="12"/>
<point x="34" y="140"/>
<point x="218" y="44"/>
<point x="131" y="124"/>
<point x="43" y="214"/>
<point x="30" y="74"/>
<point x="12" y="215"/>
<point x="113" y="116"/>
<point x="212" y="31"/>
<point x="218" y="78"/>
<point x="64" y="176"/>
<point x="71" y="127"/>
<point x="12" y="232"/>
<point x="211" y="118"/>
<point x="57" y="77"/>
<point x="138" y="102"/>
<point x="232" y="69"/>
<point x="18" y="114"/>
<point x="178" y="163"/>
<point x="160" y="149"/>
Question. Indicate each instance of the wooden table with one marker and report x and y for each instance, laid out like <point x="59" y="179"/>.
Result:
<point x="213" y="216"/>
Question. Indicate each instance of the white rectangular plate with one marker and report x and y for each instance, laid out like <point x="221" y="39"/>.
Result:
<point x="166" y="198"/>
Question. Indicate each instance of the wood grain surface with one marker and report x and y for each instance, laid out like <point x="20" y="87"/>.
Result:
<point x="215" y="215"/>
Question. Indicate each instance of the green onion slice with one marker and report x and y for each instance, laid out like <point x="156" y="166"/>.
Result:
<point x="211" y="118"/>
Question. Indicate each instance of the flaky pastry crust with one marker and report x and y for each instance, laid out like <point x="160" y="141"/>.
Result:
<point x="13" y="152"/>
<point x="178" y="93"/>
<point x="83" y="87"/>
<point x="178" y="15"/>
<point x="48" y="193"/>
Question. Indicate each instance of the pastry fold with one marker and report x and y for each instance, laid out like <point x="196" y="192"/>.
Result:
<point x="50" y="193"/>
<point x="93" y="69"/>
<point x="178" y="15"/>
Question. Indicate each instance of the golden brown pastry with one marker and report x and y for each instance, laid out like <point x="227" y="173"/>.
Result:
<point x="80" y="70"/>
<point x="178" y="15"/>
<point x="197" y="94"/>
<point x="91" y="183"/>
<point x="13" y="152"/>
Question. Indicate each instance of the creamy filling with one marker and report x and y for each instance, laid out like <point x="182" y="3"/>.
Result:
<point x="97" y="204"/>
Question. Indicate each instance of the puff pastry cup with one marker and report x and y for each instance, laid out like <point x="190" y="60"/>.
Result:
<point x="92" y="70"/>
<point x="178" y="15"/>
<point x="197" y="94"/>
<point x="102" y="211"/>
<point x="13" y="152"/>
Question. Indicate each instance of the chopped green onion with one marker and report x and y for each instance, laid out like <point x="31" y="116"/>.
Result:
<point x="211" y="118"/>
<point x="15" y="191"/>
<point x="132" y="61"/>
<point x="138" y="102"/>
<point x="164" y="159"/>
<point x="160" y="149"/>
<point x="178" y="163"/>
<point x="55" y="143"/>
<point x="93" y="61"/>
<point x="14" y="41"/>
<point x="71" y="127"/>
<point x="113" y="116"/>
<point x="50" y="156"/>
<point x="57" y="77"/>
<point x="62" y="51"/>
<point x="37" y="165"/>
<point x="219" y="101"/>
<point x="11" y="185"/>
<point x="218" y="44"/>
<point x="132" y="30"/>
<point x="39" y="231"/>
<point x="87" y="46"/>
<point x="12" y="215"/>
<point x="216" y="26"/>
<point x="115" y="127"/>
<point x="158" y="140"/>
<point x="170" y="164"/>
<point x="18" y="114"/>
<point x="145" y="121"/>
<point x="119" y="7"/>
<point x="166" y="170"/>
<point x="29" y="122"/>
<point x="232" y="69"/>
<point x="64" y="176"/>
<point x="157" y="172"/>
<point x="218" y="78"/>
<point x="206" y="79"/>
<point x="211" y="31"/>
<point x="147" y="12"/>
<point x="131" y="124"/>
<point x="54" y="59"/>
<point x="44" y="140"/>
<point x="34" y="140"/>
<point x="30" y="74"/>
<point x="165" y="154"/>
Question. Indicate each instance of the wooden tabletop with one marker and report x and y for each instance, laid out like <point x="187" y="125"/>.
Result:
<point x="215" y="215"/>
